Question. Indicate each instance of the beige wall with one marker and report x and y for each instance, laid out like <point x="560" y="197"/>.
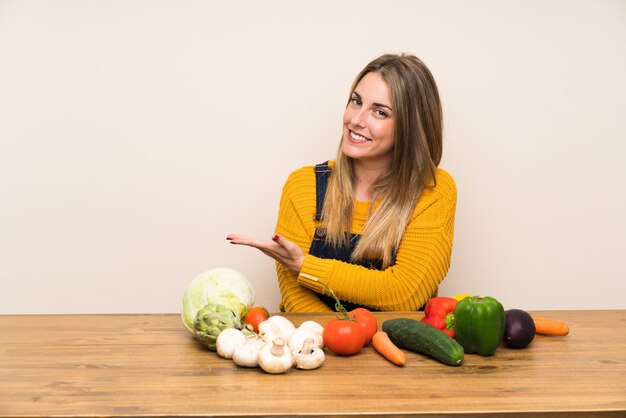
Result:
<point x="134" y="135"/>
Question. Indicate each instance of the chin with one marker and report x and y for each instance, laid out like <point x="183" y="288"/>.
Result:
<point x="350" y="152"/>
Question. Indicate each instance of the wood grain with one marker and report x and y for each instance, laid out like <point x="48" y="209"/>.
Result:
<point x="149" y="365"/>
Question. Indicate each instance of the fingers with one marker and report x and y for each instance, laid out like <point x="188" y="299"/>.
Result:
<point x="247" y="240"/>
<point x="235" y="237"/>
<point x="241" y="239"/>
<point x="279" y="248"/>
<point x="268" y="247"/>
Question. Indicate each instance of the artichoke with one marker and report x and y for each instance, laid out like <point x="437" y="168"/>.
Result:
<point x="213" y="319"/>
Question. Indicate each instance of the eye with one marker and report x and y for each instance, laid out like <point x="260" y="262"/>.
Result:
<point x="356" y="101"/>
<point x="381" y="113"/>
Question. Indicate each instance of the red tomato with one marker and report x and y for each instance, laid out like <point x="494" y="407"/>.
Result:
<point x="343" y="336"/>
<point x="255" y="316"/>
<point x="367" y="320"/>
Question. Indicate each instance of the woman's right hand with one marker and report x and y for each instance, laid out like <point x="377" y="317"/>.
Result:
<point x="280" y="249"/>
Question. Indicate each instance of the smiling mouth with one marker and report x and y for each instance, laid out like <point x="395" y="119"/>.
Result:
<point x="354" y="137"/>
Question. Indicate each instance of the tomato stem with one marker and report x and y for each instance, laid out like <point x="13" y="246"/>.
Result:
<point x="338" y="306"/>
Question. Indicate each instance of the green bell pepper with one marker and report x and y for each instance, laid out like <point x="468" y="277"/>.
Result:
<point x="479" y="324"/>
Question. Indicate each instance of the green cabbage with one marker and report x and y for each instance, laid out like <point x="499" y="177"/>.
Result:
<point x="220" y="286"/>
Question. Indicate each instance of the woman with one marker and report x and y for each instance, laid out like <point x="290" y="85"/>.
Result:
<point x="376" y="224"/>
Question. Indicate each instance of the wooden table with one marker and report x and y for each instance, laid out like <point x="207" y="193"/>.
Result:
<point x="149" y="365"/>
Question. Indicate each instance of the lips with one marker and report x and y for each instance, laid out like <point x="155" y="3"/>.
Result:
<point x="357" y="138"/>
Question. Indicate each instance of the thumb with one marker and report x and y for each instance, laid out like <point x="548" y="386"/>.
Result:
<point x="280" y="240"/>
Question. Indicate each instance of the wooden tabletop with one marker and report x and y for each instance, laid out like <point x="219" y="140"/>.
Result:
<point x="149" y="365"/>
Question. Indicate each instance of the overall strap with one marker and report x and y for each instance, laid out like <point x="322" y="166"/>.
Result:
<point x="322" y="174"/>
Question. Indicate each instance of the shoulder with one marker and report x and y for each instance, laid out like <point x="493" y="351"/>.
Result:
<point x="301" y="175"/>
<point x="301" y="180"/>
<point x="445" y="184"/>
<point x="442" y="195"/>
<point x="305" y="173"/>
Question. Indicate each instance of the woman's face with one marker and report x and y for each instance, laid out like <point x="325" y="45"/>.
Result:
<point x="368" y="122"/>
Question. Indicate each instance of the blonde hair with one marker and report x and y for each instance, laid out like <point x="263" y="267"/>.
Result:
<point x="418" y="138"/>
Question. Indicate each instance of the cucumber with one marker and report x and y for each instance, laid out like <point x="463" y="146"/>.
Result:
<point x="423" y="338"/>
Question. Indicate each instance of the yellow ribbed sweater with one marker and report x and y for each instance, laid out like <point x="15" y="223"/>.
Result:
<point x="422" y="259"/>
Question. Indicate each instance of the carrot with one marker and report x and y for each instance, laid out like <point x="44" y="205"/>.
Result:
<point x="548" y="326"/>
<point x="388" y="349"/>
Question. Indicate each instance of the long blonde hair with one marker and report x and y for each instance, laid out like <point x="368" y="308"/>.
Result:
<point x="418" y="138"/>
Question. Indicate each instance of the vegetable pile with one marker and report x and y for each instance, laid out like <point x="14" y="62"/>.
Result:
<point x="218" y="310"/>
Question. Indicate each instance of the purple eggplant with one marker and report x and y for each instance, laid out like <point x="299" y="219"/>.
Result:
<point x="519" y="328"/>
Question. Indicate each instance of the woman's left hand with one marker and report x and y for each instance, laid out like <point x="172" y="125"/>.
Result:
<point x="280" y="249"/>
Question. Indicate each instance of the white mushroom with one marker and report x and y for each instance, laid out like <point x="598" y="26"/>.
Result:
<point x="246" y="354"/>
<point x="275" y="357"/>
<point x="296" y="341"/>
<point x="228" y="340"/>
<point x="318" y="328"/>
<point x="310" y="357"/>
<point x="285" y="326"/>
<point x="314" y="326"/>
<point x="269" y="331"/>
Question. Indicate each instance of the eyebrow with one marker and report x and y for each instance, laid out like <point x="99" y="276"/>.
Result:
<point x="375" y="104"/>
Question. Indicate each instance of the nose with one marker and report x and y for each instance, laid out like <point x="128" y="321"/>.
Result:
<point x="357" y="118"/>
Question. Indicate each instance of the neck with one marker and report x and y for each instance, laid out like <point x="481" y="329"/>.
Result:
<point x="366" y="174"/>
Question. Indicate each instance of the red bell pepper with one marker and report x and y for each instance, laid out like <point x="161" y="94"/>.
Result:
<point x="439" y="313"/>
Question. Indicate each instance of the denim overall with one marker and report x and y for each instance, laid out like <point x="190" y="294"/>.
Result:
<point x="320" y="248"/>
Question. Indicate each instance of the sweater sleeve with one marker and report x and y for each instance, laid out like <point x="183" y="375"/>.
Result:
<point x="422" y="260"/>
<point x="295" y="223"/>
